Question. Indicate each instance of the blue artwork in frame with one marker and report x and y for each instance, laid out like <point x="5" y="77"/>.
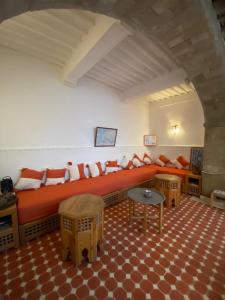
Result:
<point x="196" y="161"/>
<point x="105" y="137"/>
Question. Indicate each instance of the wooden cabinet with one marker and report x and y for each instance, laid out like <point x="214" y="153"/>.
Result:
<point x="193" y="184"/>
<point x="9" y="236"/>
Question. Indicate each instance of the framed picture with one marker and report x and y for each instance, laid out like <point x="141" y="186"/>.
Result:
<point x="149" y="140"/>
<point x="196" y="160"/>
<point x="105" y="137"/>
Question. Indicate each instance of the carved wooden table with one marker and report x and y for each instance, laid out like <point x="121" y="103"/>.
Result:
<point x="81" y="227"/>
<point x="170" y="186"/>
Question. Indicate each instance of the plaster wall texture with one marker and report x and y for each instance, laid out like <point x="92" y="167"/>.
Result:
<point x="186" y="112"/>
<point x="45" y="123"/>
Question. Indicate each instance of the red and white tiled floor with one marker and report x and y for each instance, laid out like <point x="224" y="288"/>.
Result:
<point x="186" y="262"/>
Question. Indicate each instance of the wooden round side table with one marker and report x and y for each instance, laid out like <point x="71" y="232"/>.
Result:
<point x="81" y="226"/>
<point x="170" y="186"/>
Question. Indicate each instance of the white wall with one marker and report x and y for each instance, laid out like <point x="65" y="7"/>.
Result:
<point x="45" y="123"/>
<point x="185" y="111"/>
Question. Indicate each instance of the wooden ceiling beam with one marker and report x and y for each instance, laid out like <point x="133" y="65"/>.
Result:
<point x="124" y="67"/>
<point x="112" y="77"/>
<point x="131" y="64"/>
<point x="38" y="43"/>
<point x="38" y="34"/>
<point x="132" y="56"/>
<point x="117" y="73"/>
<point x="104" y="81"/>
<point x="32" y="50"/>
<point x="142" y="53"/>
<point x="100" y="40"/>
<point x="62" y="22"/>
<point x="156" y="52"/>
<point x="59" y="34"/>
<point x="163" y="82"/>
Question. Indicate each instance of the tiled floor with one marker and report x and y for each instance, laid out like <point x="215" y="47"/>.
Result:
<point x="186" y="262"/>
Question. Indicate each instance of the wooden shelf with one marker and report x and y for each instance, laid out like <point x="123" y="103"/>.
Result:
<point x="9" y="236"/>
<point x="6" y="231"/>
<point x="193" y="184"/>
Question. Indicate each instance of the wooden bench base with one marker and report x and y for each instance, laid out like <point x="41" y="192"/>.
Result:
<point x="39" y="227"/>
<point x="36" y="228"/>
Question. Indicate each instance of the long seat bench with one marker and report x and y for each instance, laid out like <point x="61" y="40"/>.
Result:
<point x="37" y="209"/>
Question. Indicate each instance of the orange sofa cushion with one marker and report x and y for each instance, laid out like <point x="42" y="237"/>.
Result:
<point x="37" y="204"/>
<point x="33" y="174"/>
<point x="173" y="171"/>
<point x="182" y="161"/>
<point x="112" y="164"/>
<point x="164" y="159"/>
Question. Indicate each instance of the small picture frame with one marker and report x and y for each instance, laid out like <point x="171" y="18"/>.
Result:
<point x="105" y="137"/>
<point x="150" y="140"/>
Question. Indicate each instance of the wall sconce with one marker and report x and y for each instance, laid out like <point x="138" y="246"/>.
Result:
<point x="175" y="129"/>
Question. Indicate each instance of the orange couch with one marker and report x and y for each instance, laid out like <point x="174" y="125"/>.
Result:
<point x="37" y="204"/>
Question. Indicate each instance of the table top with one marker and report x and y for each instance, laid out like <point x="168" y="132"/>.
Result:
<point x="85" y="205"/>
<point x="137" y="194"/>
<point x="168" y="177"/>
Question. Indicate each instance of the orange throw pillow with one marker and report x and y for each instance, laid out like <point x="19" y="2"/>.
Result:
<point x="112" y="164"/>
<point x="164" y="159"/>
<point x="182" y="161"/>
<point x="100" y="168"/>
<point x="55" y="176"/>
<point x="29" y="179"/>
<point x="29" y="173"/>
<point x="55" y="173"/>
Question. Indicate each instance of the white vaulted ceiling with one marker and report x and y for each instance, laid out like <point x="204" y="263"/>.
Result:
<point x="134" y="61"/>
<point x="87" y="45"/>
<point x="178" y="90"/>
<point x="50" y="35"/>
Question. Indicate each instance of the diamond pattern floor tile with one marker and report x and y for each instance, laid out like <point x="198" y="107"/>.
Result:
<point x="186" y="262"/>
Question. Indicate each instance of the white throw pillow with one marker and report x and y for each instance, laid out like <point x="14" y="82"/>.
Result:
<point x="160" y="163"/>
<point x="137" y="163"/>
<point x="126" y="163"/>
<point x="147" y="161"/>
<point x="27" y="184"/>
<point x="112" y="169"/>
<point x="55" y="176"/>
<point x="29" y="179"/>
<point x="76" y="171"/>
<point x="54" y="181"/>
<point x="177" y="164"/>
<point x="96" y="169"/>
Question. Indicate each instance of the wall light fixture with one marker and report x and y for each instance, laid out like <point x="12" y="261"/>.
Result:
<point x="175" y="129"/>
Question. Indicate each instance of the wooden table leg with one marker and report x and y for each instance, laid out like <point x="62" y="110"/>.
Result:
<point x="145" y="218"/>
<point x="160" y="217"/>
<point x="130" y="208"/>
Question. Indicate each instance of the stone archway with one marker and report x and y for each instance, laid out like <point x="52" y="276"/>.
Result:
<point x="188" y="29"/>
